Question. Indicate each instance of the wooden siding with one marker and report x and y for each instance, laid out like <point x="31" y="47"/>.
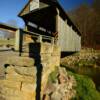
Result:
<point x="43" y="5"/>
<point x="26" y="10"/>
<point x="68" y="39"/>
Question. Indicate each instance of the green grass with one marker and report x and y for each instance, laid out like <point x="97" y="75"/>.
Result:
<point x="90" y="68"/>
<point x="6" y="42"/>
<point x="85" y="63"/>
<point x="53" y="76"/>
<point x="85" y="89"/>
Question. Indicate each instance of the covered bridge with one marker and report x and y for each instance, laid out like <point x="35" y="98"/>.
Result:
<point x="47" y="17"/>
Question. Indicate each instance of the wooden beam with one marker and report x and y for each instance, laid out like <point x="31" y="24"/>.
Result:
<point x="18" y="40"/>
<point x="40" y="38"/>
<point x="57" y="19"/>
<point x="57" y="25"/>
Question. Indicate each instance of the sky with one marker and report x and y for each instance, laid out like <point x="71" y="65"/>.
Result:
<point x="9" y="9"/>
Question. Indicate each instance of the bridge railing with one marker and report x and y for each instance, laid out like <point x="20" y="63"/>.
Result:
<point x="20" y="34"/>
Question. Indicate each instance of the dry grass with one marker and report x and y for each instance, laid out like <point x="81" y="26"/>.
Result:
<point x="7" y="42"/>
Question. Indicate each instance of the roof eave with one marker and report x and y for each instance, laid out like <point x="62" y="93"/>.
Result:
<point x="19" y="15"/>
<point x="60" y="7"/>
<point x="8" y="26"/>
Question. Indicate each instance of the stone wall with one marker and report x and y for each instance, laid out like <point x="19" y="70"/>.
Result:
<point x="88" y="57"/>
<point x="26" y="75"/>
<point x="62" y="87"/>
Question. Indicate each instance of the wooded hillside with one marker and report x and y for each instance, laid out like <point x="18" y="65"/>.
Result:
<point x="87" y="19"/>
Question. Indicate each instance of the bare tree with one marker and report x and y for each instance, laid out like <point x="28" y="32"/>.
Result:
<point x="12" y="23"/>
<point x="86" y="19"/>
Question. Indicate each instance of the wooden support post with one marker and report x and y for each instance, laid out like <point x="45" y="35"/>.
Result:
<point x="26" y="28"/>
<point x="57" y="19"/>
<point x="18" y="40"/>
<point x="71" y="41"/>
<point x="40" y="39"/>
<point x="57" y="24"/>
<point x="52" y="40"/>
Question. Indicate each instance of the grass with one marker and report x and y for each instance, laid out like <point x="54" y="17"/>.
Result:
<point x="85" y="89"/>
<point x="90" y="68"/>
<point x="85" y="63"/>
<point x="6" y="42"/>
<point x="53" y="76"/>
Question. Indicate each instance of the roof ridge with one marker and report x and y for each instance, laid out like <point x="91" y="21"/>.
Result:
<point x="5" y="24"/>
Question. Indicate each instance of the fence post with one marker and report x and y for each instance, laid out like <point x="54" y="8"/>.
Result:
<point x="18" y="40"/>
<point x="52" y="40"/>
<point x="40" y="39"/>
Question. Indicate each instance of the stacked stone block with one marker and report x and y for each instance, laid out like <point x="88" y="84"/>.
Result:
<point x="22" y="72"/>
<point x="20" y="79"/>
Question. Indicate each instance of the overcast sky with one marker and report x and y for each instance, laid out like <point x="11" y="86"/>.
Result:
<point x="9" y="9"/>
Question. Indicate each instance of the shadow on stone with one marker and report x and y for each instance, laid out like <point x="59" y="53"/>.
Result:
<point x="6" y="65"/>
<point x="64" y="54"/>
<point x="1" y="98"/>
<point x="34" y="52"/>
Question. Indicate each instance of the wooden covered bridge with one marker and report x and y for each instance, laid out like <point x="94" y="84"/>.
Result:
<point x="47" y="17"/>
<point x="46" y="20"/>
